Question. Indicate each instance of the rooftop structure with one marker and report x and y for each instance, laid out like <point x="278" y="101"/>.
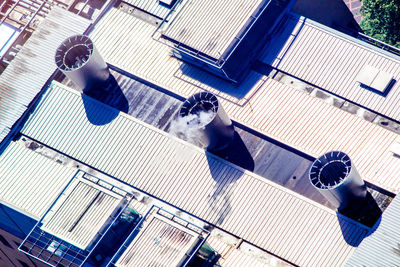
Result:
<point x="163" y="238"/>
<point x="215" y="191"/>
<point x="154" y="7"/>
<point x="76" y="221"/>
<point x="191" y="28"/>
<point x="137" y="164"/>
<point x="216" y="36"/>
<point x="81" y="211"/>
<point x="336" y="65"/>
<point x="260" y="102"/>
<point x="8" y="35"/>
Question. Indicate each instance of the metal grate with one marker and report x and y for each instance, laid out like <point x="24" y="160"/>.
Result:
<point x="330" y="170"/>
<point x="55" y="251"/>
<point x="180" y="235"/>
<point x="52" y="250"/>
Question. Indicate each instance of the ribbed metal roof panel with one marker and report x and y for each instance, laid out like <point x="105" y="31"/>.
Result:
<point x="279" y="111"/>
<point x="211" y="26"/>
<point x="159" y="243"/>
<point x="382" y="247"/>
<point x="23" y="79"/>
<point x="239" y="258"/>
<point x="81" y="215"/>
<point x="29" y="181"/>
<point x="238" y="201"/>
<point x="332" y="61"/>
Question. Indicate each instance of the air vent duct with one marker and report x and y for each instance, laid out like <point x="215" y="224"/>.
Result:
<point x="208" y="121"/>
<point x="335" y="176"/>
<point x="80" y="61"/>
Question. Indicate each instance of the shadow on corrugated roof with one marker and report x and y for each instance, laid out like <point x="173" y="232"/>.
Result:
<point x="220" y="200"/>
<point x="97" y="113"/>
<point x="366" y="212"/>
<point x="225" y="179"/>
<point x="111" y="94"/>
<point x="237" y="153"/>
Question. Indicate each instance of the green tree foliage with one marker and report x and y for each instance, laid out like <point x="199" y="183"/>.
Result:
<point x="382" y="20"/>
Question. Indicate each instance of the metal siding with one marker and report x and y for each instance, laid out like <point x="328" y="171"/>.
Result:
<point x="381" y="248"/>
<point x="274" y="109"/>
<point x="23" y="79"/>
<point x="324" y="58"/>
<point x="189" y="181"/>
<point x="21" y="168"/>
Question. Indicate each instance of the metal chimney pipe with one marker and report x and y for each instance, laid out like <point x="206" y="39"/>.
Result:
<point x="80" y="61"/>
<point x="335" y="176"/>
<point x="216" y="131"/>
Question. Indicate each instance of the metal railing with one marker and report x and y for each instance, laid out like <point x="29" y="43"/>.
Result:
<point x="38" y="242"/>
<point x="218" y="63"/>
<point x="377" y="43"/>
<point x="29" y="10"/>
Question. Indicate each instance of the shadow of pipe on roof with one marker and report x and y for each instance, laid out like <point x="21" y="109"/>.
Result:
<point x="97" y="113"/>
<point x="366" y="212"/>
<point x="355" y="237"/>
<point x="237" y="153"/>
<point x="111" y="95"/>
<point x="226" y="177"/>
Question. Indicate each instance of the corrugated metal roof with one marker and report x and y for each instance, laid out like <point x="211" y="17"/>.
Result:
<point x="211" y="26"/>
<point x="151" y="6"/>
<point x="80" y="214"/>
<point x="382" y="247"/>
<point x="277" y="110"/>
<point x="25" y="179"/>
<point x="160" y="242"/>
<point x="23" y="79"/>
<point x="332" y="61"/>
<point x="240" y="202"/>
<point x="239" y="258"/>
<point x="118" y="32"/>
<point x="153" y="246"/>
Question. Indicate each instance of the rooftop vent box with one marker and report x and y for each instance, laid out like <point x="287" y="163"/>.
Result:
<point x="374" y="78"/>
<point x="222" y="37"/>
